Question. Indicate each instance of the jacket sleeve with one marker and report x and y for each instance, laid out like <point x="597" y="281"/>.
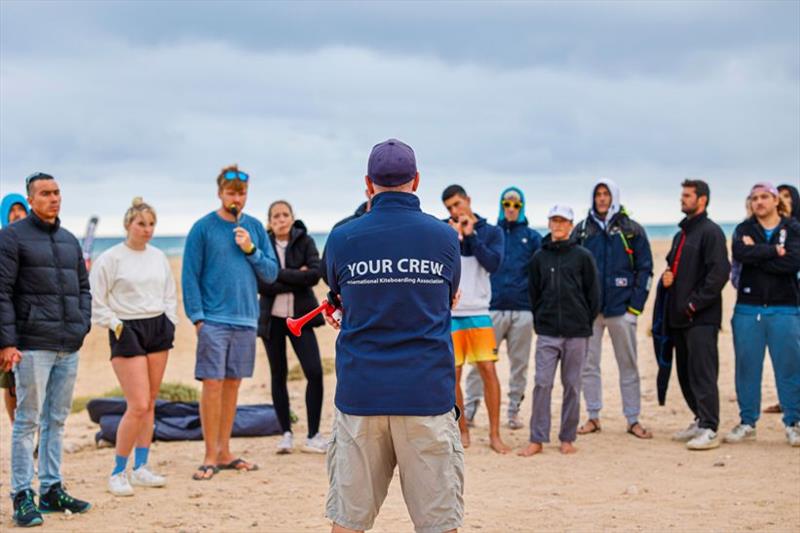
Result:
<point x="263" y="260"/>
<point x="591" y="285"/>
<point x="718" y="268"/>
<point x="303" y="278"/>
<point x="789" y="263"/>
<point x="192" y="271"/>
<point x="534" y="283"/>
<point x="643" y="272"/>
<point x="323" y="267"/>
<point x="170" y="293"/>
<point x="101" y="280"/>
<point x="488" y="249"/>
<point x="85" y="300"/>
<point x="271" y="289"/>
<point x="9" y="266"/>
<point x="750" y="254"/>
<point x="455" y="281"/>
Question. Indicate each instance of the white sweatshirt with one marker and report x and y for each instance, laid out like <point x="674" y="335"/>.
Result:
<point x="131" y="285"/>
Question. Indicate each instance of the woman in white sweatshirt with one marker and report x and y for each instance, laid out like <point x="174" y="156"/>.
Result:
<point x="134" y="296"/>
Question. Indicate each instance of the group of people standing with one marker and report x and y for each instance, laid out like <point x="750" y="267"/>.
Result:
<point x="420" y="298"/>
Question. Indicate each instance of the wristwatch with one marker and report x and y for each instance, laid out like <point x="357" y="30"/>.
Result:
<point x="252" y="249"/>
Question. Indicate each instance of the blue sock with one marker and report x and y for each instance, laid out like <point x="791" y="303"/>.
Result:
<point x="120" y="463"/>
<point x="140" y="457"/>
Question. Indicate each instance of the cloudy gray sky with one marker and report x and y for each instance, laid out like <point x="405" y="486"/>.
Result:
<point x="122" y="99"/>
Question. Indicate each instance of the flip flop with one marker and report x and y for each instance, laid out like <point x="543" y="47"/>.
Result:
<point x="238" y="464"/>
<point x="645" y="432"/>
<point x="203" y="470"/>
<point x="595" y="427"/>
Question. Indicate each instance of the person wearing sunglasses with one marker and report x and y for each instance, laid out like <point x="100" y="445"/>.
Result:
<point x="625" y="264"/>
<point x="46" y="308"/>
<point x="226" y="254"/>
<point x="510" y="307"/>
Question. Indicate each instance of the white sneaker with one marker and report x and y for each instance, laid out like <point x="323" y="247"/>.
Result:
<point x="316" y="444"/>
<point x="143" y="477"/>
<point x="706" y="439"/>
<point x="793" y="435"/>
<point x="118" y="485"/>
<point x="286" y="444"/>
<point x="740" y="433"/>
<point x="514" y="422"/>
<point x="687" y="434"/>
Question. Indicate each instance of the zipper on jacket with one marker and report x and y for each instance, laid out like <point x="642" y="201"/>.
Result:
<point x="60" y="282"/>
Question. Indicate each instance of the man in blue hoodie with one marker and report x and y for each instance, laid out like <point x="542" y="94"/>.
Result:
<point x="473" y="336"/>
<point x="13" y="207"/>
<point x="396" y="270"/>
<point x="625" y="264"/>
<point x="510" y="308"/>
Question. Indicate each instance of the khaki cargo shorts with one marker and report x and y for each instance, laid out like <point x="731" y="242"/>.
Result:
<point x="363" y="453"/>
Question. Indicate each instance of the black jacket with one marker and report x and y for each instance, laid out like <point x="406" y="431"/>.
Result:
<point x="564" y="289"/>
<point x="695" y="297"/>
<point x="45" y="303"/>
<point x="301" y="251"/>
<point x="767" y="279"/>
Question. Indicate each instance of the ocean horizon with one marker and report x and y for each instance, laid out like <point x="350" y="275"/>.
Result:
<point x="172" y="245"/>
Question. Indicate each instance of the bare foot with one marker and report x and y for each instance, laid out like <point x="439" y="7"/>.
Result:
<point x="531" y="449"/>
<point x="498" y="445"/>
<point x="465" y="439"/>
<point x="567" y="448"/>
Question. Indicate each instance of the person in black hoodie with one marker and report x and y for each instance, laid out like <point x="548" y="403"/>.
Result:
<point x="698" y="269"/>
<point x="565" y="295"/>
<point x="292" y="296"/>
<point x="791" y="199"/>
<point x="767" y="312"/>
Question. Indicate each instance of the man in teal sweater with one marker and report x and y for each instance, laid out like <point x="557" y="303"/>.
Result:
<point x="225" y="253"/>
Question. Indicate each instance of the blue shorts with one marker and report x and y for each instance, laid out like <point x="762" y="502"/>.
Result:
<point x="225" y="352"/>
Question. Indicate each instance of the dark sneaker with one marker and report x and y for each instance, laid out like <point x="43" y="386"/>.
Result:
<point x="25" y="512"/>
<point x="58" y="501"/>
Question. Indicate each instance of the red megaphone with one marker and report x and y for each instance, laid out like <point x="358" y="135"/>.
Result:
<point x="295" y="325"/>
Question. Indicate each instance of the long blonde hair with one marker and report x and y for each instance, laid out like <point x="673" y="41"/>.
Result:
<point x="138" y="207"/>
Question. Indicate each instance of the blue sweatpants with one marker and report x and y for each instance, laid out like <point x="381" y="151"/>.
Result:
<point x="752" y="334"/>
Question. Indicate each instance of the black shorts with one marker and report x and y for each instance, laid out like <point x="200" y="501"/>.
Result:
<point x="141" y="337"/>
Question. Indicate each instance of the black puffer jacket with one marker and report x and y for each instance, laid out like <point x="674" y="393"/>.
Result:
<point x="695" y="297"/>
<point x="564" y="289"/>
<point x="767" y="279"/>
<point x="45" y="303"/>
<point x="301" y="251"/>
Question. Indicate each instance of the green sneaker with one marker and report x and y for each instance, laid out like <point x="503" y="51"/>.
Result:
<point x="56" y="500"/>
<point x="25" y="512"/>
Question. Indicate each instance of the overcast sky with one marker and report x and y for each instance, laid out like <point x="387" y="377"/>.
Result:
<point x="123" y="99"/>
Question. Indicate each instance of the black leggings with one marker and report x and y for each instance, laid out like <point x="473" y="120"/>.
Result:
<point x="307" y="350"/>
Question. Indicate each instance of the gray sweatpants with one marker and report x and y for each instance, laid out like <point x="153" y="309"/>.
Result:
<point x="572" y="354"/>
<point x="622" y="330"/>
<point x="516" y="327"/>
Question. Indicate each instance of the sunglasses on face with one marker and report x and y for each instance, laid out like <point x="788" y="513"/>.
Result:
<point x="236" y="175"/>
<point x="508" y="204"/>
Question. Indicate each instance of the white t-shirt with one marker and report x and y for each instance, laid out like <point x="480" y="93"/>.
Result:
<point x="283" y="306"/>
<point x="131" y="284"/>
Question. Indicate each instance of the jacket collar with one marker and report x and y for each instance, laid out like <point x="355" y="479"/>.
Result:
<point x="42" y="225"/>
<point x="557" y="246"/>
<point x="395" y="200"/>
<point x="687" y="224"/>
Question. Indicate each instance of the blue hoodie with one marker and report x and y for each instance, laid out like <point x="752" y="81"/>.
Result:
<point x="510" y="282"/>
<point x="397" y="270"/>
<point x="5" y="207"/>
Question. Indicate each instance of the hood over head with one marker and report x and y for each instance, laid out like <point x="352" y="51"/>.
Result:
<point x="5" y="207"/>
<point x="616" y="202"/>
<point x="502" y="216"/>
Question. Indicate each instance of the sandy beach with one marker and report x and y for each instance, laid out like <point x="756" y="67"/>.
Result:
<point x="615" y="482"/>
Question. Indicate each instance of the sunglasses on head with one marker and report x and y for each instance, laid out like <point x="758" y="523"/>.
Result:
<point x="236" y="175"/>
<point x="508" y="204"/>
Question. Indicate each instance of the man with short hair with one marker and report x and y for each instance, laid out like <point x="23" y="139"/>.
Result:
<point x="698" y="269"/>
<point x="46" y="308"/>
<point x="481" y="247"/>
<point x="396" y="271"/>
<point x="226" y="253"/>
<point x="510" y="307"/>
<point x="625" y="266"/>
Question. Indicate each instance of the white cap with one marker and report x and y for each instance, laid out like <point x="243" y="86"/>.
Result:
<point x="563" y="211"/>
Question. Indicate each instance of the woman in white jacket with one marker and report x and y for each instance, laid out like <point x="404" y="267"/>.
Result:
<point x="134" y="296"/>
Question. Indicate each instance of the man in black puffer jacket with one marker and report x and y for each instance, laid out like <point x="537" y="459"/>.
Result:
<point x="45" y="313"/>
<point x="698" y="270"/>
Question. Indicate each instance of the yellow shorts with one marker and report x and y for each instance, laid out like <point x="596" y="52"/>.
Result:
<point x="473" y="339"/>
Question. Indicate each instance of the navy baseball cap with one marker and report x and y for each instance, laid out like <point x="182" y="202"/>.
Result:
<point x="392" y="163"/>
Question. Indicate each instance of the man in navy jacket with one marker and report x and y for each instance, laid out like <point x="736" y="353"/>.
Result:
<point x="396" y="271"/>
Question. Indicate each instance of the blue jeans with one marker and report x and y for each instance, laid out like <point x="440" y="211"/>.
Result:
<point x="45" y="381"/>
<point x="752" y="334"/>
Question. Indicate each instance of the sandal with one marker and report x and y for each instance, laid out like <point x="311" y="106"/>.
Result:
<point x="774" y="409"/>
<point x="644" y="434"/>
<point x="240" y="465"/>
<point x="595" y="427"/>
<point x="202" y="472"/>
